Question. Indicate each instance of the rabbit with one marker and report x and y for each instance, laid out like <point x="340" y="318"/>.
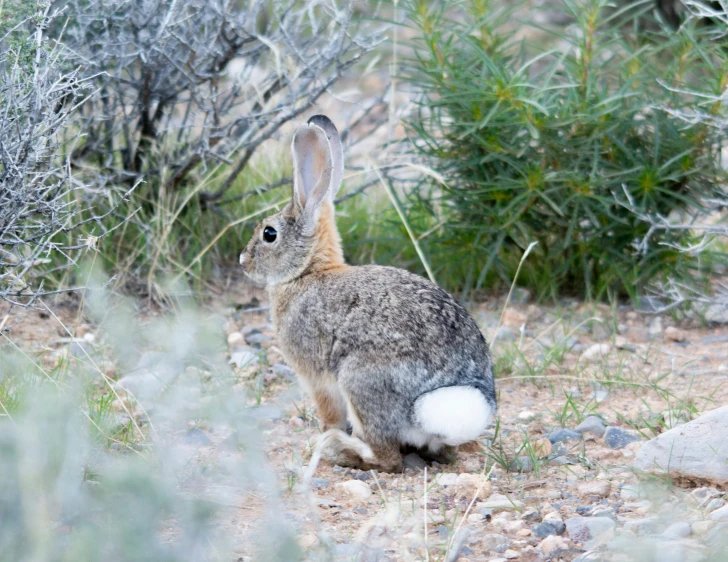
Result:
<point x="382" y="348"/>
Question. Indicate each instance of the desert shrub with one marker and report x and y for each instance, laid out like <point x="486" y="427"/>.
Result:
<point x="549" y="144"/>
<point x="44" y="209"/>
<point x="191" y="98"/>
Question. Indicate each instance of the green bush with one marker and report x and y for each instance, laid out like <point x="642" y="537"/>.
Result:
<point x="568" y="146"/>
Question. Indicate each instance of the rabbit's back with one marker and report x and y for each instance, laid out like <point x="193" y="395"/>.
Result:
<point x="407" y="333"/>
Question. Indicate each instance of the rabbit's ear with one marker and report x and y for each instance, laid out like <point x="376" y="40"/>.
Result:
<point x="337" y="150"/>
<point x="312" y="168"/>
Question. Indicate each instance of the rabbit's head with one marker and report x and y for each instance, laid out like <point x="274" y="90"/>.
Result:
<point x="303" y="236"/>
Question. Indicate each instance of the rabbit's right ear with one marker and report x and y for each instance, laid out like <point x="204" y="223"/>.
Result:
<point x="312" y="168"/>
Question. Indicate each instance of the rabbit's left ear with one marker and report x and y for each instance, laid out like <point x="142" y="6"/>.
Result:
<point x="337" y="150"/>
<point x="312" y="168"/>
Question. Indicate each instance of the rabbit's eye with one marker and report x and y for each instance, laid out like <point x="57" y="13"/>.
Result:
<point x="269" y="234"/>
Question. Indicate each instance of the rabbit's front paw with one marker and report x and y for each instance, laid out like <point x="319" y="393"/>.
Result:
<point x="339" y="448"/>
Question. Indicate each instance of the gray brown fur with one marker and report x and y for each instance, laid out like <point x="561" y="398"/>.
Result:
<point x="367" y="341"/>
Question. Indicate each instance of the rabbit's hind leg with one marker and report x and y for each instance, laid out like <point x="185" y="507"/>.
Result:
<point x="330" y="406"/>
<point x="339" y="448"/>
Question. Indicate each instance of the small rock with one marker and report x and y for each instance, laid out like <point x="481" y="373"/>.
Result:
<point x="542" y="447"/>
<point x="590" y="530"/>
<point x="196" y="436"/>
<point x="296" y="422"/>
<point x="720" y="338"/>
<point x="256" y="337"/>
<point x="592" y="424"/>
<point x="447" y="479"/>
<point x="531" y="516"/>
<point x="498" y="501"/>
<point x="559" y="435"/>
<point x="720" y="515"/>
<point x="655" y="327"/>
<point x="319" y="483"/>
<point x="521" y="464"/>
<point x="548" y="528"/>
<point x="472" y="486"/>
<point x="675" y="334"/>
<point x="243" y="356"/>
<point x="717" y="537"/>
<point x="551" y="543"/>
<point x="599" y="488"/>
<point x="695" y="451"/>
<point x="641" y="526"/>
<point x="413" y="460"/>
<point x="355" y="489"/>
<point x="283" y="371"/>
<point x="361" y="510"/>
<point x="714" y="504"/>
<point x="493" y="541"/>
<point x="511" y="554"/>
<point x="513" y="318"/>
<point x="236" y="338"/>
<point x="678" y="530"/>
<point x="702" y="496"/>
<point x="631" y="492"/>
<point x="597" y="352"/>
<point x="526" y="416"/>
<point x="504" y="333"/>
<point x="308" y="540"/>
<point x="717" y="313"/>
<point x="616" y="438"/>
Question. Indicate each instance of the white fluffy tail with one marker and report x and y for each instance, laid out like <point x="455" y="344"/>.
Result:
<point x="455" y="414"/>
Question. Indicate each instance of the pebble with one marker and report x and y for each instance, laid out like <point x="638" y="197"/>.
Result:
<point x="354" y="489"/>
<point x="717" y="537"/>
<point x="447" y="479"/>
<point x="236" y="338"/>
<point x="196" y="436"/>
<point x="526" y="416"/>
<point x="596" y="352"/>
<point x="319" y="483"/>
<point x="720" y="338"/>
<point x="559" y="435"/>
<point x="720" y="514"/>
<point x="703" y="496"/>
<point x="592" y="424"/>
<point x="717" y="313"/>
<point x="655" y="327"/>
<point x="521" y="464"/>
<point x="714" y="504"/>
<point x="513" y="318"/>
<point x="511" y="554"/>
<point x="553" y="542"/>
<point x="548" y="528"/>
<point x="413" y="460"/>
<point x="504" y="333"/>
<point x="599" y="488"/>
<point x="631" y="492"/>
<point x="616" y="438"/>
<point x="472" y="486"/>
<point x="243" y="356"/>
<point x="678" y="530"/>
<point x="641" y="526"/>
<point x="283" y="371"/>
<point x="498" y="501"/>
<point x="256" y="337"/>
<point x="590" y="530"/>
<point x="675" y="334"/>
<point x="296" y="422"/>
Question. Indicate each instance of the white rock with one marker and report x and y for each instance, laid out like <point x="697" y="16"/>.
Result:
<point x="447" y="479"/>
<point x="678" y="530"/>
<point x="596" y="352"/>
<point x="498" y="501"/>
<point x="553" y="542"/>
<point x="243" y="357"/>
<point x="591" y="531"/>
<point x="720" y="514"/>
<point x="511" y="554"/>
<point x="355" y="489"/>
<point x="236" y="338"/>
<point x="526" y="416"/>
<point x="694" y="451"/>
